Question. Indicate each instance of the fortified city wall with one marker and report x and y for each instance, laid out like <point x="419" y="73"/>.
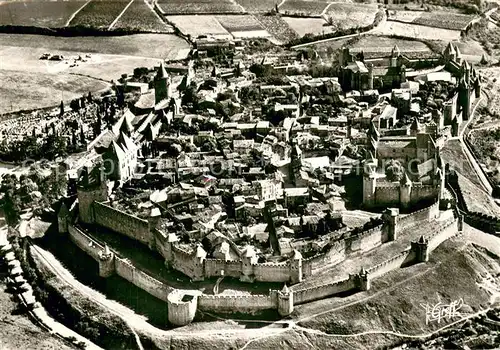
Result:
<point x="181" y="303"/>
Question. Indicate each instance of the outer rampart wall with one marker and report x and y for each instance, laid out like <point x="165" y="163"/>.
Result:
<point x="231" y="303"/>
<point x="405" y="257"/>
<point x="444" y="233"/>
<point x="319" y="292"/>
<point x="123" y="223"/>
<point x="142" y="280"/>
<point x="84" y="242"/>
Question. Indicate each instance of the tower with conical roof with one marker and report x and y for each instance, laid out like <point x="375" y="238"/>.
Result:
<point x="405" y="186"/>
<point x="296" y="267"/>
<point x="464" y="98"/>
<point x="421" y="249"/>
<point x="162" y="84"/>
<point x="395" y="53"/>
<point x="285" y="301"/>
<point x="449" y="53"/>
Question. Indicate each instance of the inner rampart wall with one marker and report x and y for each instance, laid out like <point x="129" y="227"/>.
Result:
<point x="271" y="272"/>
<point x="123" y="223"/>
<point x="414" y="218"/>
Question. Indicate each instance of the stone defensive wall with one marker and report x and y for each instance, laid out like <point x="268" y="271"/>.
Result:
<point x="140" y="279"/>
<point x="390" y="193"/>
<point x="124" y="223"/>
<point x="366" y="240"/>
<point x="485" y="222"/>
<point x="182" y="304"/>
<point x="85" y="242"/>
<point x="414" y="218"/>
<point x="442" y="233"/>
<point x="406" y="257"/>
<point x="481" y="221"/>
<point x="242" y="303"/>
<point x="302" y="296"/>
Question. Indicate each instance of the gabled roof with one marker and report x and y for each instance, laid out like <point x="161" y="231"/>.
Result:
<point x="127" y="143"/>
<point x="116" y="150"/>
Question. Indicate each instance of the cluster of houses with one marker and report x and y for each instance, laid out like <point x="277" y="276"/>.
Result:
<point x="272" y="173"/>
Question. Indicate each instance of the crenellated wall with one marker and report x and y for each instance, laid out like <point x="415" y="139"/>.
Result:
<point x="185" y="262"/>
<point x="232" y="303"/>
<point x="423" y="192"/>
<point x="414" y="218"/>
<point x="142" y="280"/>
<point x="271" y="272"/>
<point x="403" y="258"/>
<point x="364" y="241"/>
<point x="303" y="296"/>
<point x="443" y="233"/>
<point x="181" y="311"/>
<point x="85" y="242"/>
<point x="123" y="223"/>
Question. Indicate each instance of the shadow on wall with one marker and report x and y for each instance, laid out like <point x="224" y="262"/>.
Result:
<point x="86" y="270"/>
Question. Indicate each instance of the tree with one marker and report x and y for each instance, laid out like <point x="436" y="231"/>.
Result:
<point x="394" y="171"/>
<point x="61" y="109"/>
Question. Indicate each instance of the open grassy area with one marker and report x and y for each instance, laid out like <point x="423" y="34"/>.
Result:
<point x="394" y="303"/>
<point x="28" y="82"/>
<point x="199" y="25"/>
<point x="347" y="15"/>
<point x="24" y="90"/>
<point x="166" y="46"/>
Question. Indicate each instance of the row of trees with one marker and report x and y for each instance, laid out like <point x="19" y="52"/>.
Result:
<point x="33" y="190"/>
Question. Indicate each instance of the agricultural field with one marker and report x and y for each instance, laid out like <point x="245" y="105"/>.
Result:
<point x="242" y="26"/>
<point x="303" y="8"/>
<point x="99" y="13"/>
<point x="416" y="31"/>
<point x="258" y="6"/>
<point x="303" y="26"/>
<point x="139" y="16"/>
<point x="193" y="7"/>
<point x="278" y="28"/>
<point x="437" y="19"/>
<point x="51" y="14"/>
<point x="453" y="21"/>
<point x="199" y="25"/>
<point x="348" y="15"/>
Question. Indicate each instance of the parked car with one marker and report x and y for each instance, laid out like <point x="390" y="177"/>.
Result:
<point x="45" y="56"/>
